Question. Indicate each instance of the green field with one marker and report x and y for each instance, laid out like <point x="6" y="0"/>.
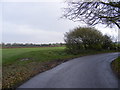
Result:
<point x="11" y="55"/>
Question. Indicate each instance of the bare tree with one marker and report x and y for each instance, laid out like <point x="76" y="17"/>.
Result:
<point x="92" y="13"/>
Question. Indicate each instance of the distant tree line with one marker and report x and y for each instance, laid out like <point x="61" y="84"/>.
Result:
<point x="88" y="38"/>
<point x="20" y="45"/>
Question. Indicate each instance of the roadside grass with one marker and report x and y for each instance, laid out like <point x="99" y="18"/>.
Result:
<point x="20" y="64"/>
<point x="116" y="66"/>
<point x="0" y="57"/>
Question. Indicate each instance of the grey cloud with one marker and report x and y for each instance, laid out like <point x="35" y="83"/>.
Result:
<point x="37" y="15"/>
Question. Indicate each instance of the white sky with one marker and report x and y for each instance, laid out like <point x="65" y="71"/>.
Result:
<point x="38" y="21"/>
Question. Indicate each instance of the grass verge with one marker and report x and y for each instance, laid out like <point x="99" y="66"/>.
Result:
<point x="20" y="64"/>
<point x="116" y="66"/>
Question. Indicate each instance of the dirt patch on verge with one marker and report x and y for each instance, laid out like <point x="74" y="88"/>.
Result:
<point x="14" y="75"/>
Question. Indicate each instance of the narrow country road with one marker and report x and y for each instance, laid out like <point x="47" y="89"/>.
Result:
<point x="93" y="71"/>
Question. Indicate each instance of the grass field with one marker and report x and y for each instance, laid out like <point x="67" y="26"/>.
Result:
<point x="20" y="64"/>
<point x="11" y="55"/>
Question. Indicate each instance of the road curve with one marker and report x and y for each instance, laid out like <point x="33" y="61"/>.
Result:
<point x="93" y="71"/>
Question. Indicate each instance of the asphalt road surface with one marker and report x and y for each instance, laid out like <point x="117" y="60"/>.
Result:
<point x="92" y="71"/>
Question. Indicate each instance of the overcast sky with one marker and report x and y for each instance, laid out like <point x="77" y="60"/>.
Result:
<point x="37" y="22"/>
